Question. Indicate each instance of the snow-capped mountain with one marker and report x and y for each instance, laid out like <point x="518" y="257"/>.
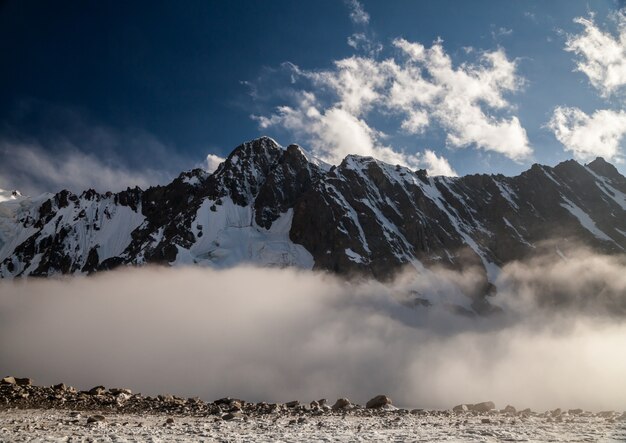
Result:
<point x="275" y="206"/>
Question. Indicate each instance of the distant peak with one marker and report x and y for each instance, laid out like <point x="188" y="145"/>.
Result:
<point x="601" y="167"/>
<point x="9" y="195"/>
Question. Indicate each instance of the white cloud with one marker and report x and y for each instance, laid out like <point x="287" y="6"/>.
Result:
<point x="333" y="133"/>
<point x="602" y="55"/>
<point x="212" y="162"/>
<point x="457" y="97"/>
<point x="589" y="136"/>
<point x="436" y="165"/>
<point x="360" y="41"/>
<point x="421" y="88"/>
<point x="32" y="169"/>
<point x="358" y="15"/>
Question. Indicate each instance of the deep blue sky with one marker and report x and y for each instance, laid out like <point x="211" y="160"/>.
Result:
<point x="158" y="85"/>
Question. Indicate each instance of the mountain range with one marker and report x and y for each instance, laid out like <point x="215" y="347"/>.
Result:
<point x="272" y="206"/>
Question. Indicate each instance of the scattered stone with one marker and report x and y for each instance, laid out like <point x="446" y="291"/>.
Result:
<point x="606" y="414"/>
<point x="341" y="403"/>
<point x="169" y="421"/>
<point x="622" y="417"/>
<point x="378" y="402"/>
<point x="485" y="421"/>
<point x="485" y="406"/>
<point x="96" y="418"/>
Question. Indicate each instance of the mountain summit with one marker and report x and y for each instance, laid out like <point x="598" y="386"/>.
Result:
<point x="275" y="206"/>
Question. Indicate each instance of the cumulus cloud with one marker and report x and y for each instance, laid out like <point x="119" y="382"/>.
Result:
<point x="590" y="136"/>
<point x="457" y="97"/>
<point x="437" y="165"/>
<point x="278" y="335"/>
<point x="33" y="169"/>
<point x="212" y="162"/>
<point x="358" y="15"/>
<point x="601" y="54"/>
<point x="420" y="88"/>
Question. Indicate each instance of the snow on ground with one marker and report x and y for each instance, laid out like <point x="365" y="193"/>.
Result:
<point x="399" y="426"/>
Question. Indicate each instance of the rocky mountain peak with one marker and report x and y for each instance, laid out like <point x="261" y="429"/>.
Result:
<point x="279" y="207"/>
<point x="605" y="169"/>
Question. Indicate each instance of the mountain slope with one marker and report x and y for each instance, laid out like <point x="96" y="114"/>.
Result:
<point x="279" y="207"/>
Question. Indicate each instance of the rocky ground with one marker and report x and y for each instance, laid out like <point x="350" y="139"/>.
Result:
<point x="61" y="413"/>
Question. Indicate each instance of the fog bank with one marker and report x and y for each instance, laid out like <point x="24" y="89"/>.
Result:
<point x="278" y="335"/>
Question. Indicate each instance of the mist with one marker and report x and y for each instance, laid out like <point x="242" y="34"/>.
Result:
<point x="280" y="334"/>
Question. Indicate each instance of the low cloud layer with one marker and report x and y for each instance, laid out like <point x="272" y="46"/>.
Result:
<point x="279" y="335"/>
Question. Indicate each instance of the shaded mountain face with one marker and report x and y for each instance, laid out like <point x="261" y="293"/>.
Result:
<point x="275" y="206"/>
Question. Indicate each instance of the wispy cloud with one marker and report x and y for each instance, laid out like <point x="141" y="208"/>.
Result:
<point x="419" y="88"/>
<point x="33" y="169"/>
<point x="358" y="15"/>
<point x="601" y="56"/>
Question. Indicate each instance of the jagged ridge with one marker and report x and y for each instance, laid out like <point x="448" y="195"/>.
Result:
<point x="275" y="207"/>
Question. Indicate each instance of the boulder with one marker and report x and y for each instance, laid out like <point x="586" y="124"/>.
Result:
<point x="97" y="390"/>
<point x="485" y="406"/>
<point x="24" y="381"/>
<point x="341" y="403"/>
<point x="510" y="409"/>
<point x="8" y="381"/>
<point x="460" y="408"/>
<point x="577" y="411"/>
<point x="292" y="404"/>
<point x="378" y="402"/>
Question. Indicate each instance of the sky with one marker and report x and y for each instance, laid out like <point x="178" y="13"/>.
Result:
<point x="109" y="95"/>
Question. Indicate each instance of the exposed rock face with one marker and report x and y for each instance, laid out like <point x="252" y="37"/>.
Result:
<point x="279" y="207"/>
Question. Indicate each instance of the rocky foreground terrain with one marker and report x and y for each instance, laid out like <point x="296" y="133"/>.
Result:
<point x="62" y="413"/>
